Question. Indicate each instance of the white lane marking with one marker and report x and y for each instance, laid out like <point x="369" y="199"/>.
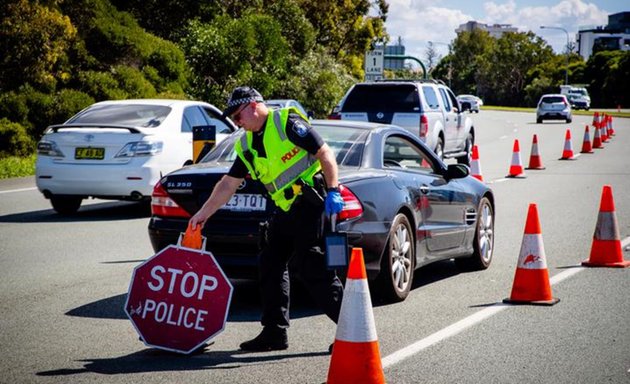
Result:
<point x="467" y="322"/>
<point x="18" y="190"/>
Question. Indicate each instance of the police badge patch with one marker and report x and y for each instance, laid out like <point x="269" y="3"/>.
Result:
<point x="300" y="129"/>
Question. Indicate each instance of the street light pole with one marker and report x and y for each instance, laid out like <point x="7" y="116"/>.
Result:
<point x="566" y="70"/>
<point x="450" y="61"/>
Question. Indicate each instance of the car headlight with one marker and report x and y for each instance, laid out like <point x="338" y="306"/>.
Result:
<point x="140" y="148"/>
<point x="49" y="148"/>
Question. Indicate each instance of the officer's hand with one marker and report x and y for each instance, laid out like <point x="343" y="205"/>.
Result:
<point x="334" y="202"/>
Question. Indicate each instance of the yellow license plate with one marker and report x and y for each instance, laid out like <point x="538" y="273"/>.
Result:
<point x="89" y="153"/>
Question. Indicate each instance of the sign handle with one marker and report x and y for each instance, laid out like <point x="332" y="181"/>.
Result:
<point x="192" y="238"/>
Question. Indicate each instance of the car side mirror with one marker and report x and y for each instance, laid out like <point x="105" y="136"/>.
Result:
<point x="457" y="171"/>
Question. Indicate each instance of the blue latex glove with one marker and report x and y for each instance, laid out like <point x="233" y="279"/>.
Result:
<point x="334" y="202"/>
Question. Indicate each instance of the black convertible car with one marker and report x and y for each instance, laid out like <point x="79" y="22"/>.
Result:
<point x="403" y="206"/>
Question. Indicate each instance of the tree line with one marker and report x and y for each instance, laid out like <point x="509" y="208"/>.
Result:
<point x="59" y="56"/>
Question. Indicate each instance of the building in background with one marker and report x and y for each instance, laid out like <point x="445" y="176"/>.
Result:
<point x="614" y="36"/>
<point x="495" y="30"/>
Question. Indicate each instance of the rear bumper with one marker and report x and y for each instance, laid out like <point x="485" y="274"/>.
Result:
<point x="95" y="180"/>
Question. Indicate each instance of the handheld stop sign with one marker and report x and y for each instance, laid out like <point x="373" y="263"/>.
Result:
<point x="179" y="298"/>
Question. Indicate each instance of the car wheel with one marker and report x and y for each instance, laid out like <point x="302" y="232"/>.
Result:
<point x="483" y="244"/>
<point x="439" y="148"/>
<point x="466" y="159"/>
<point x="66" y="205"/>
<point x="539" y="121"/>
<point x="569" y="120"/>
<point x="398" y="263"/>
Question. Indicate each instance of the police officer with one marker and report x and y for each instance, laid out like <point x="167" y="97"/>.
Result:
<point x="282" y="151"/>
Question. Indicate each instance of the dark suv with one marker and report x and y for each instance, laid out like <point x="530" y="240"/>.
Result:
<point x="427" y="108"/>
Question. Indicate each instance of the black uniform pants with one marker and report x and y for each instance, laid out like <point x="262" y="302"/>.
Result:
<point x="294" y="239"/>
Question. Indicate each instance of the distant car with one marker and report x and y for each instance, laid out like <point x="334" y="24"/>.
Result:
<point x="469" y="103"/>
<point x="553" y="107"/>
<point x="119" y="149"/>
<point x="578" y="101"/>
<point x="402" y="205"/>
<point x="283" y="103"/>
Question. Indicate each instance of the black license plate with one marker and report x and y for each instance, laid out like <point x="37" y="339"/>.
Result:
<point x="89" y="153"/>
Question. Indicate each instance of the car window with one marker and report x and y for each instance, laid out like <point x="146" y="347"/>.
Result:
<point x="382" y="98"/>
<point x="136" y="115"/>
<point x="214" y="119"/>
<point x="193" y="117"/>
<point x="400" y="153"/>
<point x="552" y="99"/>
<point x="445" y="100"/>
<point x="430" y="96"/>
<point x="452" y="97"/>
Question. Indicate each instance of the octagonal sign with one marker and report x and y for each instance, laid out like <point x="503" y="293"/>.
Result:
<point x="178" y="299"/>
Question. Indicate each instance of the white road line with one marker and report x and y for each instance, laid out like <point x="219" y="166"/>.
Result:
<point x="18" y="190"/>
<point x="468" y="322"/>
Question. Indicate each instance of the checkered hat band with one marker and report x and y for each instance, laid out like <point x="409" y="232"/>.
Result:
<point x="233" y="103"/>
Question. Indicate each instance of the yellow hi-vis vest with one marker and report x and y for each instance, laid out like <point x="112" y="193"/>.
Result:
<point x="285" y="162"/>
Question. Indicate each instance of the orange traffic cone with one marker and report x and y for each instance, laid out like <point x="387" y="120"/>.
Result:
<point x="531" y="281"/>
<point x="609" y="130"/>
<point x="602" y="131"/>
<point x="475" y="165"/>
<point x="595" y="120"/>
<point x="612" y="129"/>
<point x="535" y="162"/>
<point x="355" y="356"/>
<point x="586" y="143"/>
<point x="597" y="139"/>
<point x="516" y="167"/>
<point x="567" y="153"/>
<point x="606" y="249"/>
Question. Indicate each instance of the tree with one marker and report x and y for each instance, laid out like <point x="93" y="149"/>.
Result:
<point x="431" y="55"/>
<point x="345" y="29"/>
<point x="34" y="41"/>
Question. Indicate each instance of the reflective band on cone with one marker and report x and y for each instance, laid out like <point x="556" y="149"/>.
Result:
<point x="531" y="280"/>
<point x="606" y="248"/>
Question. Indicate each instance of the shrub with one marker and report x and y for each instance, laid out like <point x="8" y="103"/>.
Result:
<point x="132" y="82"/>
<point x="14" y="140"/>
<point x="101" y="85"/>
<point x="68" y="102"/>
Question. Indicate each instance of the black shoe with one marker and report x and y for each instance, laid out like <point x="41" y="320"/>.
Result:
<point x="270" y="339"/>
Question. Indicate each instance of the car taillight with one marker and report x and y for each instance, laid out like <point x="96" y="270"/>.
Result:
<point x="334" y="116"/>
<point x="351" y="205"/>
<point x="163" y="205"/>
<point x="424" y="126"/>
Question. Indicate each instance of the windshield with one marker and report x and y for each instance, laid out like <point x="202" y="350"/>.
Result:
<point x="347" y="144"/>
<point x="136" y="115"/>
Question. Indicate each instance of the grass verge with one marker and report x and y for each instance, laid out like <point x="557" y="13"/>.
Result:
<point x="17" y="166"/>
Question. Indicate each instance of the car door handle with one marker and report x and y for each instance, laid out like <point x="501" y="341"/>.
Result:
<point x="424" y="189"/>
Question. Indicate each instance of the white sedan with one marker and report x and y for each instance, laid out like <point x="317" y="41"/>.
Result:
<point x="120" y="149"/>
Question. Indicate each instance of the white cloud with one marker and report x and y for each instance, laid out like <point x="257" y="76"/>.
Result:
<point x="420" y="21"/>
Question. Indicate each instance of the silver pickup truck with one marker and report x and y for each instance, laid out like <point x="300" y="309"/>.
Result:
<point x="428" y="108"/>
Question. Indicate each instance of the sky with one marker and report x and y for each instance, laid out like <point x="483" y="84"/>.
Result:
<point x="419" y="21"/>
